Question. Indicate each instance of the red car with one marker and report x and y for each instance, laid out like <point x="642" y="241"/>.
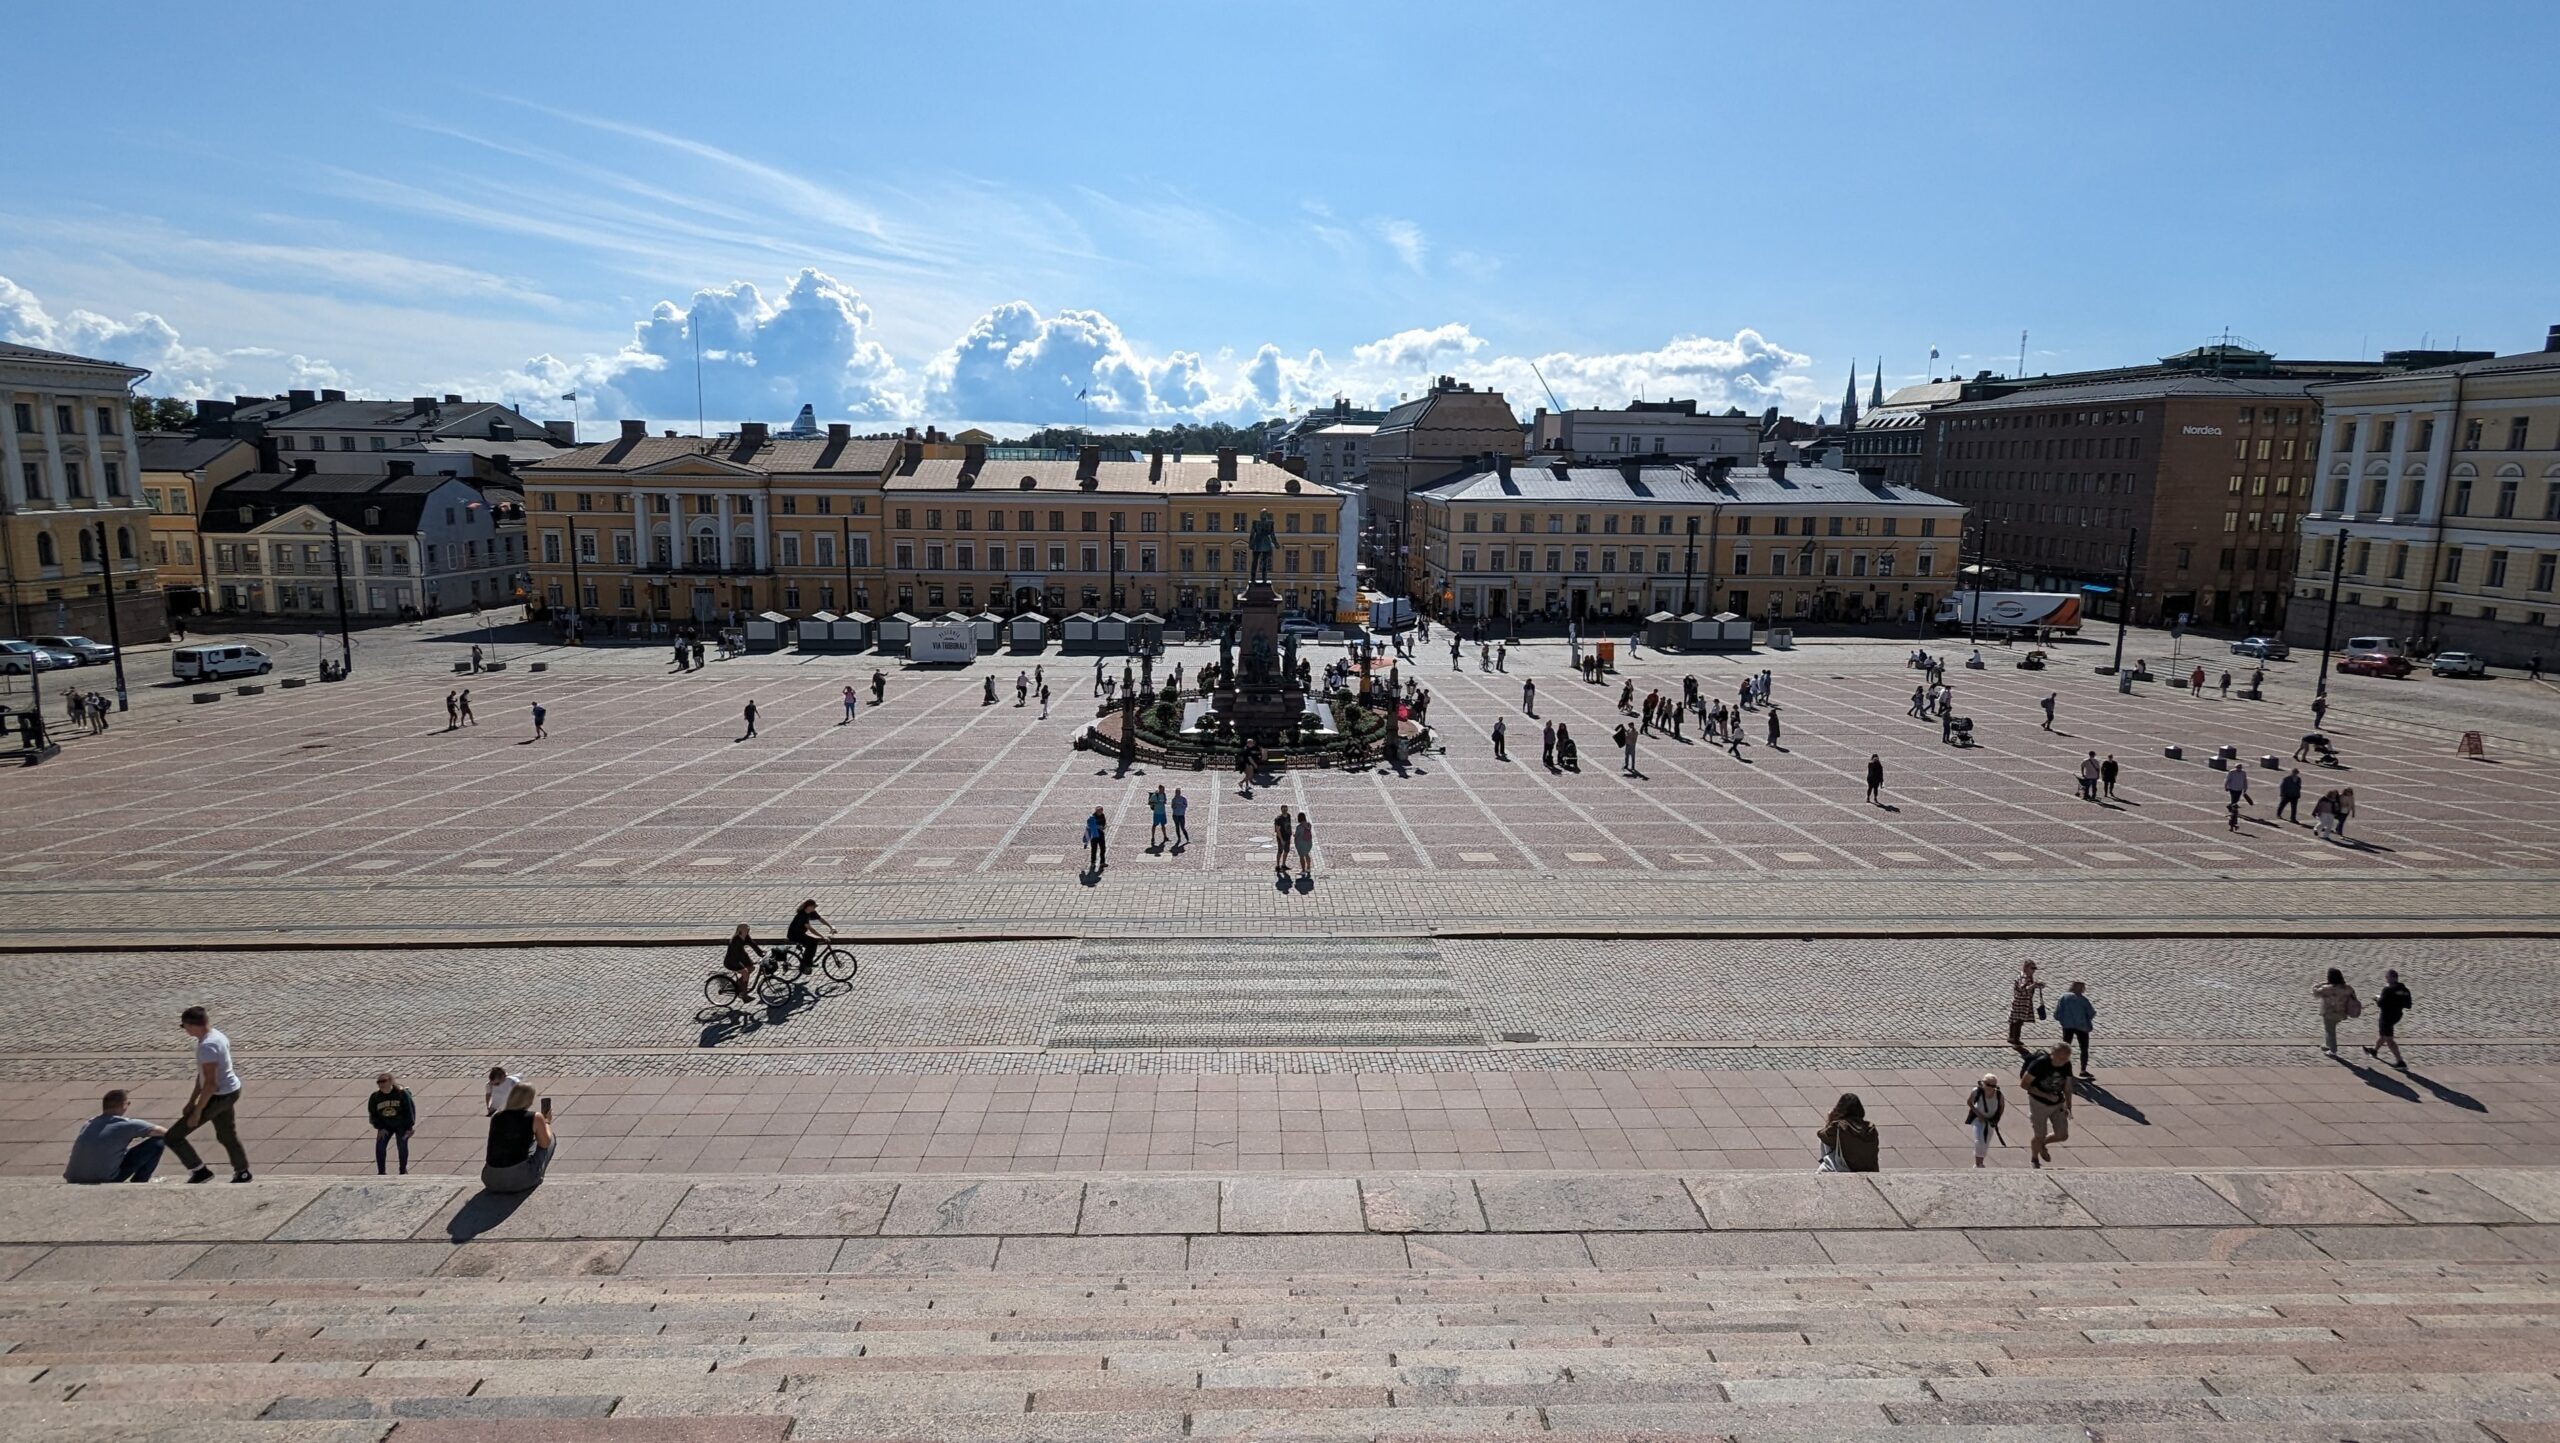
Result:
<point x="2377" y="663"/>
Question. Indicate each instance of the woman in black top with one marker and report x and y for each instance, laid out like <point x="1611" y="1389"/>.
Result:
<point x="740" y="961"/>
<point x="520" y="1142"/>
<point x="395" y="1116"/>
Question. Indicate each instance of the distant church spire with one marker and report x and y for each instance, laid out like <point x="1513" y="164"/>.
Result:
<point x="1875" y="398"/>
<point x="1849" y="402"/>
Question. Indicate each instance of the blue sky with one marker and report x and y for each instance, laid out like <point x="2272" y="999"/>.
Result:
<point x="971" y="212"/>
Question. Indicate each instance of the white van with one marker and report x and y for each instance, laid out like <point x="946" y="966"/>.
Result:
<point x="2374" y="646"/>
<point x="205" y="663"/>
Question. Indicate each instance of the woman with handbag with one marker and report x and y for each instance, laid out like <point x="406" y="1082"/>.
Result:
<point x="2026" y="1004"/>
<point x="1982" y="1113"/>
<point x="1849" y="1142"/>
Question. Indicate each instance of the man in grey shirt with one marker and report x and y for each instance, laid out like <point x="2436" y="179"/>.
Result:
<point x="100" y="1154"/>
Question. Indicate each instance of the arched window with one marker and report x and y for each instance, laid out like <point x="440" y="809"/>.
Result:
<point x="88" y="547"/>
<point x="124" y="542"/>
<point x="45" y="554"/>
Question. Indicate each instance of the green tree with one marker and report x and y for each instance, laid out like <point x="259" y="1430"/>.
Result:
<point x="162" y="413"/>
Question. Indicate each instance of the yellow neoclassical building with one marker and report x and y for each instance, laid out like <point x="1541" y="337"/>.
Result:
<point x="73" y="529"/>
<point x="645" y="530"/>
<point x="179" y="471"/>
<point x="1578" y="542"/>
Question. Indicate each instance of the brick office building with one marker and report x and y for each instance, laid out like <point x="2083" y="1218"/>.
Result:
<point x="2203" y="462"/>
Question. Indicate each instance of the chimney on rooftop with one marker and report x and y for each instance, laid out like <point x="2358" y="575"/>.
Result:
<point x="839" y="430"/>
<point x="422" y="405"/>
<point x="333" y="395"/>
<point x="209" y="411"/>
<point x="973" y="458"/>
<point x="1155" y="465"/>
<point x="1226" y="463"/>
<point x="752" y="433"/>
<point x="910" y="454"/>
<point x="305" y="468"/>
<point x="564" y="432"/>
<point x="635" y="430"/>
<point x="297" y="400"/>
<point x="1089" y="463"/>
<point x="451" y="400"/>
<point x="2551" y="341"/>
<point x="398" y="469"/>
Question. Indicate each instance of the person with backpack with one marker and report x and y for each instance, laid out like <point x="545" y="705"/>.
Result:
<point x="2047" y="1080"/>
<point x="1983" y="1109"/>
<point x="1849" y="1141"/>
<point x="2338" y="1003"/>
<point x="2394" y="1003"/>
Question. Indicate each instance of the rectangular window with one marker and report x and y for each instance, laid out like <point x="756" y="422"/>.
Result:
<point x="2453" y="563"/>
<point x="68" y="424"/>
<point x="2497" y="576"/>
<point x="2517" y="429"/>
<point x="72" y="485"/>
<point x="788" y="545"/>
<point x="1742" y="563"/>
<point x="551" y="547"/>
<point x="2507" y="497"/>
<point x="826" y="549"/>
<point x="25" y="416"/>
<point x="2544" y="568"/>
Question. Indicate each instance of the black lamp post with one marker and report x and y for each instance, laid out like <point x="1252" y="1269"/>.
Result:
<point x="115" y="633"/>
<point x="1689" y="572"/>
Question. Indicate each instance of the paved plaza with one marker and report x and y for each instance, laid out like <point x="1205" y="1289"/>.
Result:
<point x="1496" y="965"/>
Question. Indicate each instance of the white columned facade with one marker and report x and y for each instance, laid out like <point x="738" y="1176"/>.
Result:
<point x="11" y="485"/>
<point x="2439" y="464"/>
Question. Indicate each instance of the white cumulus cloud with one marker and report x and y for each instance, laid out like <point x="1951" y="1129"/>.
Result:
<point x="150" y="341"/>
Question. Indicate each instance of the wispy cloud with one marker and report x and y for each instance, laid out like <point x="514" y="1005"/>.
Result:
<point x="362" y="269"/>
<point x="1404" y="238"/>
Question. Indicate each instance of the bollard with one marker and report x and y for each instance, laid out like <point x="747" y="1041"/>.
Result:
<point x="2173" y="753"/>
<point x="200" y="698"/>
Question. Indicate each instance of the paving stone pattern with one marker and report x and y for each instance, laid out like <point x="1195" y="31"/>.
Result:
<point x="349" y="811"/>
<point x="1631" y="1306"/>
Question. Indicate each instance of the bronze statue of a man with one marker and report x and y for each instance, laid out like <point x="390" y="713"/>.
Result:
<point x="1264" y="541"/>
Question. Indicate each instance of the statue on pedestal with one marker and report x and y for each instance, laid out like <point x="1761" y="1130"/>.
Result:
<point x="1264" y="541"/>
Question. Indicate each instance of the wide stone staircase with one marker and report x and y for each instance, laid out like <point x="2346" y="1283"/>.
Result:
<point x="2393" y="1307"/>
<point x="1252" y="992"/>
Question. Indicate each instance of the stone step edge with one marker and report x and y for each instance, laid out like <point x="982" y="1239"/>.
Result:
<point x="329" y="1207"/>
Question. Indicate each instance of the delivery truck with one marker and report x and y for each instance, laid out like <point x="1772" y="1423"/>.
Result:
<point x="2012" y="612"/>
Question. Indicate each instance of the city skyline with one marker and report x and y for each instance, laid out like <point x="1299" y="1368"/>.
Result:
<point x="934" y="245"/>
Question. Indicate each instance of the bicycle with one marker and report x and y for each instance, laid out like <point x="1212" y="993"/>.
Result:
<point x="834" y="960"/>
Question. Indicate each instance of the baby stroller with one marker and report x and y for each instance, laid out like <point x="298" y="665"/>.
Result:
<point x="1958" y="731"/>
<point x="2316" y="746"/>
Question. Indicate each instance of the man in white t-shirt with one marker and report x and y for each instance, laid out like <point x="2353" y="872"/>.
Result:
<point x="215" y="1100"/>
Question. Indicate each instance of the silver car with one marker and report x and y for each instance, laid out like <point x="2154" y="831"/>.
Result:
<point x="81" y="648"/>
<point x="2264" y="648"/>
<point x="2458" y="663"/>
<point x="17" y="658"/>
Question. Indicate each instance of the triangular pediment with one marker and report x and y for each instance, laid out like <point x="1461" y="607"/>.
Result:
<point x="698" y="466"/>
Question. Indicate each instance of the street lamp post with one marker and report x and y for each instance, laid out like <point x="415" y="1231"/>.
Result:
<point x="338" y="571"/>
<point x="1689" y="573"/>
<point x="1981" y="562"/>
<point x="2329" y="628"/>
<point x="2124" y="595"/>
<point x="115" y="633"/>
<point x="1111" y="589"/>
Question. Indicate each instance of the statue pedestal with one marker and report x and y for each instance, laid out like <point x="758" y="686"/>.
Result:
<point x="1263" y="697"/>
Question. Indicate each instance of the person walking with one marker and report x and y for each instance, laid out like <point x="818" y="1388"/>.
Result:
<point x="2319" y="711"/>
<point x="2289" y="796"/>
<point x="538" y="715"/>
<point x="2346" y="808"/>
<point x="1159" y="820"/>
<point x="1529" y="695"/>
<point x="1875" y="779"/>
<point x="2235" y="790"/>
<point x="2393" y="1004"/>
<point x="2324" y="817"/>
<point x="1733" y="736"/>
<point x="1305" y="838"/>
<point x="879" y="686"/>
<point x="464" y="702"/>
<point x="1097" y="676"/>
<point x="1626" y="739"/>
<point x="1502" y="656"/>
<point x="2226" y="685"/>
<point x="452" y="711"/>
<point x="1280" y="837"/>
<point x="2073" y="1012"/>
<point x="521" y="1144"/>
<point x="1181" y="807"/>
<point x="1499" y="754"/>
<point x="2338" y="1003"/>
<point x="1919" y="702"/>
<point x="2195" y="683"/>
<point x="394" y="1115"/>
<point x="1097" y="843"/>
<point x="215" y="1099"/>
<point x="751" y="721"/>
<point x="475" y="660"/>
<point x="1044" y="701"/>
<point x="1983" y="1109"/>
<point x="2046" y="1077"/>
<point x="1547" y="748"/>
<point x="113" y="1147"/>
<point x="2050" y="699"/>
<point x="2089" y="777"/>
<point x="2026" y="1004"/>
<point x="2107" y="772"/>
<point x="852" y="705"/>
<point x="1773" y="726"/>
<point x="1849" y="1142"/>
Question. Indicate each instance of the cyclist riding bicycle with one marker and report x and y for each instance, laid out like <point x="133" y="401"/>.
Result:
<point x="740" y="961"/>
<point x="809" y="932"/>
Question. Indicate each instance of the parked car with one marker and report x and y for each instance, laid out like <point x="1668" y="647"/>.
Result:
<point x="89" y="653"/>
<point x="2264" y="648"/>
<point x="2458" y="663"/>
<point x="2376" y="663"/>
<point x="17" y="658"/>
